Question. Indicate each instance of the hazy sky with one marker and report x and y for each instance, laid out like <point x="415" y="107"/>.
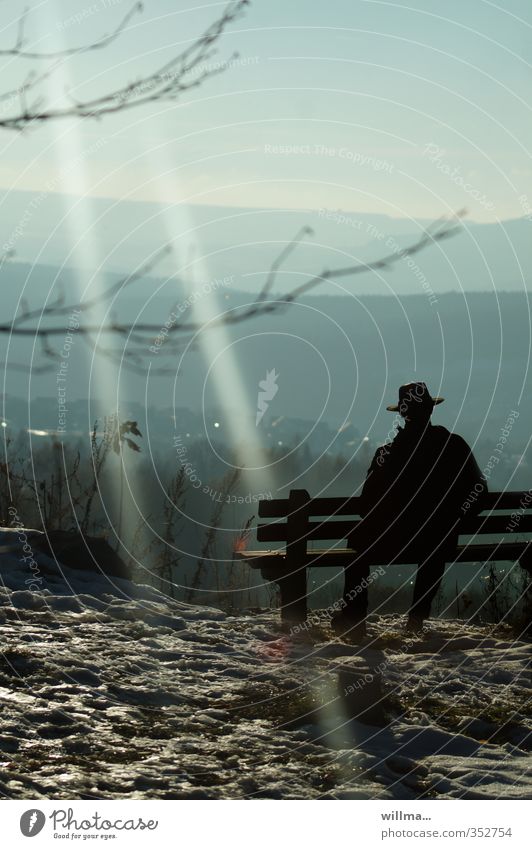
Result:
<point x="409" y="109"/>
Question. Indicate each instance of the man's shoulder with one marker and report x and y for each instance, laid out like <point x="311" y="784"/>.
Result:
<point x="452" y="440"/>
<point x="441" y="432"/>
<point x="380" y="455"/>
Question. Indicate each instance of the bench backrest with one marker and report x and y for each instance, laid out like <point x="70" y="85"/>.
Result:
<point x="300" y="518"/>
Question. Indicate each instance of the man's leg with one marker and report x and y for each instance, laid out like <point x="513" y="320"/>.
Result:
<point x="356" y="589"/>
<point x="428" y="579"/>
<point x="351" y="619"/>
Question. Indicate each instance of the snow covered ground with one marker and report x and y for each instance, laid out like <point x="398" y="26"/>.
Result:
<point x="110" y="690"/>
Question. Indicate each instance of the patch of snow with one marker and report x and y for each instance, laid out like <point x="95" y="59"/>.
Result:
<point x="112" y="690"/>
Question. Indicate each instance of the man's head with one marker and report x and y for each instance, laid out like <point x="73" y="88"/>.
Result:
<point x="415" y="402"/>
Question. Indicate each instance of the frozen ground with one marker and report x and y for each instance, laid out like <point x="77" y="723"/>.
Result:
<point x="113" y="691"/>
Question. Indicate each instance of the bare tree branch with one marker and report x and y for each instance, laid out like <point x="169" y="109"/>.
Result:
<point x="104" y="41"/>
<point x="56" y="309"/>
<point x="168" y="82"/>
<point x="185" y="71"/>
<point x="140" y="336"/>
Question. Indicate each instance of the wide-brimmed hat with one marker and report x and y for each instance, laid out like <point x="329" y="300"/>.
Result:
<point x="417" y="392"/>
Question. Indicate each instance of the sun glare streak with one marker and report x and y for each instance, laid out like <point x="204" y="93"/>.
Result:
<point x="82" y="250"/>
<point x="215" y="344"/>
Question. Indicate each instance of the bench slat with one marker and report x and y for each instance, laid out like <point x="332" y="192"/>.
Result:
<point x="338" y="530"/>
<point x="335" y="506"/>
<point x="290" y="524"/>
<point x="508" y="500"/>
<point x="341" y="557"/>
<point x="496" y="524"/>
<point x="278" y="508"/>
<point x="278" y="532"/>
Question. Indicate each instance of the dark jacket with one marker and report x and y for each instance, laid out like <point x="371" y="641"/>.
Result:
<point x="414" y="492"/>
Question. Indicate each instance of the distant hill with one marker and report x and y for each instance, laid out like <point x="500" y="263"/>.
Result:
<point x="213" y="241"/>
<point x="338" y="358"/>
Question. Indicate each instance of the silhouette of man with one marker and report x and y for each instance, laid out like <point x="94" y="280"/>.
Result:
<point x="411" y="502"/>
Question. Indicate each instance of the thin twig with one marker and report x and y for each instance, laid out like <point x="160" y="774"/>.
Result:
<point x="101" y="43"/>
<point x="168" y="82"/>
<point x="139" y="336"/>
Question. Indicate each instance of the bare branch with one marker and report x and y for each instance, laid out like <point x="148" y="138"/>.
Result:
<point x="182" y="73"/>
<point x="185" y="71"/>
<point x="101" y="43"/>
<point x="57" y="308"/>
<point x="140" y="336"/>
<point x="20" y="33"/>
<point x="276" y="265"/>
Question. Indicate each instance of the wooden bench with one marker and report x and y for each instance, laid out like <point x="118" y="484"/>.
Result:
<point x="300" y="519"/>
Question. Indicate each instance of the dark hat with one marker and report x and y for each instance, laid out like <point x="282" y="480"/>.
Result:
<point x="416" y="391"/>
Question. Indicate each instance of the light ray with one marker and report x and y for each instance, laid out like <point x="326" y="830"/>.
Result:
<point x="215" y="344"/>
<point x="82" y="250"/>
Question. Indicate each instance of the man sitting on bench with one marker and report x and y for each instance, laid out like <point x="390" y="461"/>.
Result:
<point x="411" y="508"/>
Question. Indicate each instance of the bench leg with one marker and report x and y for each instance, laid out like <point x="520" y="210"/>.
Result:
<point x="293" y="590"/>
<point x="428" y="579"/>
<point x="356" y="588"/>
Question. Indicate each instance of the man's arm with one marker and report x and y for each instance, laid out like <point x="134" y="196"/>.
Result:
<point x="378" y="479"/>
<point x="473" y="487"/>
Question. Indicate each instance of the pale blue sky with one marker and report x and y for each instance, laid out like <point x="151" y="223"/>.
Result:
<point x="333" y="105"/>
